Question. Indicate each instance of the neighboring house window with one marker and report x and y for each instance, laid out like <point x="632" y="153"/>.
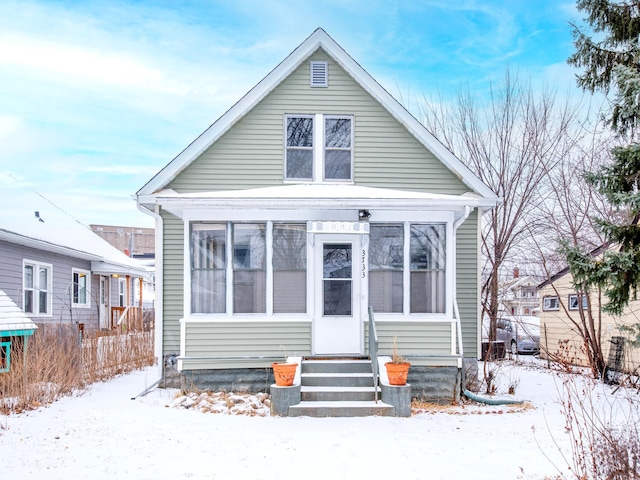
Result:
<point x="573" y="301"/>
<point x="428" y="268"/>
<point x="81" y="288"/>
<point x="386" y="266"/>
<point x="550" y="303"/>
<point x="36" y="285"/>
<point x="289" y="268"/>
<point x="319" y="147"/>
<point x="5" y="355"/>
<point x="122" y="292"/>
<point x="249" y="272"/>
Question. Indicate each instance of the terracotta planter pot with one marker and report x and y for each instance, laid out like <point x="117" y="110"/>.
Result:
<point x="397" y="372"/>
<point x="284" y="373"/>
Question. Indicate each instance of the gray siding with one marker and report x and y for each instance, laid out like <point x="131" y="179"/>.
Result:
<point x="11" y="258"/>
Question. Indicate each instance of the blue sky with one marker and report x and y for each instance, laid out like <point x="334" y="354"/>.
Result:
<point x="97" y="96"/>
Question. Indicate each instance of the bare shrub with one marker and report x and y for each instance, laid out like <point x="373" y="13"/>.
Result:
<point x="57" y="361"/>
<point x="603" y="431"/>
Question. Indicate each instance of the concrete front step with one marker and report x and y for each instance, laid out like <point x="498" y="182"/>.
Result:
<point x="337" y="379"/>
<point x="341" y="409"/>
<point x="344" y="394"/>
<point x="336" y="366"/>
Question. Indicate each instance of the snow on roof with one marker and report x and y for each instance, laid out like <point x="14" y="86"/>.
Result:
<point x="28" y="218"/>
<point x="12" y="318"/>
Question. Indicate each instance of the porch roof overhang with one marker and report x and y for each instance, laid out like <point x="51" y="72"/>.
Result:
<point x="108" y="268"/>
<point x="316" y="197"/>
<point x="13" y="321"/>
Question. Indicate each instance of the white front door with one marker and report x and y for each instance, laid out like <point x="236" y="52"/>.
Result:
<point x="337" y="327"/>
<point x="104" y="303"/>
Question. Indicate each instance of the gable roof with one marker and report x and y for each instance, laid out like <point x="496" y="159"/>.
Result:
<point x="318" y="39"/>
<point x="28" y="218"/>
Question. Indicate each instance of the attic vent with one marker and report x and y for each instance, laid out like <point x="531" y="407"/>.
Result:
<point x="319" y="74"/>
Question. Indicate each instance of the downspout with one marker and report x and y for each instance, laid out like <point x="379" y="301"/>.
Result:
<point x="456" y="310"/>
<point x="158" y="303"/>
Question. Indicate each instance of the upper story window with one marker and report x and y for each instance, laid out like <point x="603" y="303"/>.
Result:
<point x="319" y="148"/>
<point x="81" y="288"/>
<point x="36" y="285"/>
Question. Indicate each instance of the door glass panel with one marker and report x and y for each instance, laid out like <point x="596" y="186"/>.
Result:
<point x="337" y="279"/>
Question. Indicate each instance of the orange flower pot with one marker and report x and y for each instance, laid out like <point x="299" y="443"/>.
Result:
<point x="284" y="373"/>
<point x="397" y="372"/>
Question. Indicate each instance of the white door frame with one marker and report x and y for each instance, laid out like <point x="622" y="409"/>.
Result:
<point x="104" y="299"/>
<point x="339" y="335"/>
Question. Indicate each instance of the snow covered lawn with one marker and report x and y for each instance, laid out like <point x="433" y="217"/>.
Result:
<point x="103" y="434"/>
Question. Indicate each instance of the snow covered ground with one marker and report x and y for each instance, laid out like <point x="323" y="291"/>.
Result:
<point x="103" y="434"/>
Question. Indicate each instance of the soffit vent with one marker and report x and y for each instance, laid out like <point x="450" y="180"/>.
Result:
<point x="319" y="74"/>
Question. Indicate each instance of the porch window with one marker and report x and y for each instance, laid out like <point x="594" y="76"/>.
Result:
<point x="36" y="285"/>
<point x="249" y="272"/>
<point x="289" y="268"/>
<point x="208" y="268"/>
<point x="319" y="147"/>
<point x="386" y="261"/>
<point x="81" y="288"/>
<point x="428" y="268"/>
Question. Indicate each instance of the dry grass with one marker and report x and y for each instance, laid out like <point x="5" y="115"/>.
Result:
<point x="59" y="362"/>
<point x="604" y="445"/>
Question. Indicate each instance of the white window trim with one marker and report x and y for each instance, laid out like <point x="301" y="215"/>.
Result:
<point x="122" y="282"/>
<point x="318" y="149"/>
<point x="87" y="303"/>
<point x="550" y="309"/>
<point x="36" y="297"/>
<point x="397" y="217"/>
<point x="576" y="296"/>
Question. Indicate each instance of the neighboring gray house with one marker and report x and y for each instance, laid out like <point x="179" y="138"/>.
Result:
<point x="313" y="197"/>
<point x="56" y="269"/>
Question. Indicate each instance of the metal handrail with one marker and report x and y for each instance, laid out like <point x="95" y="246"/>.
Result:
<point x="373" y="351"/>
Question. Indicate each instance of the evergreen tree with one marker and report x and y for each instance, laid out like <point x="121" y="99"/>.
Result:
<point x="611" y="65"/>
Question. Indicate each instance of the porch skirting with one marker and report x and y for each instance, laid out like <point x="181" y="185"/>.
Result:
<point x="429" y="384"/>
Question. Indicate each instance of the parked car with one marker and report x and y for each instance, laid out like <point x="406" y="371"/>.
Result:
<point x="519" y="334"/>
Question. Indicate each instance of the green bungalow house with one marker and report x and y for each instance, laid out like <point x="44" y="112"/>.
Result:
<point x="314" y="197"/>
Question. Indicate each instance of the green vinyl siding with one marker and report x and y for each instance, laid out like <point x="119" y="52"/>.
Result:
<point x="271" y="340"/>
<point x="251" y="155"/>
<point x="172" y="281"/>
<point x="467" y="282"/>
<point x="428" y="342"/>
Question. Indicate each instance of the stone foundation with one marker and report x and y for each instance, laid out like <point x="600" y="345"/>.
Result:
<point x="435" y="384"/>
